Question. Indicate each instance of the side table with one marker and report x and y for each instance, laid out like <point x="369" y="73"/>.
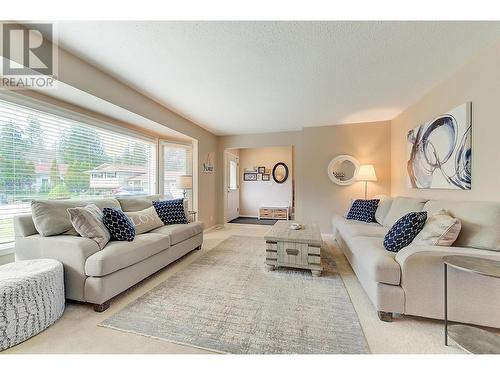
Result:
<point x="472" y="339"/>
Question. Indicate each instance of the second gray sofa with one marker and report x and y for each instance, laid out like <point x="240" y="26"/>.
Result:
<point x="411" y="281"/>
<point x="93" y="275"/>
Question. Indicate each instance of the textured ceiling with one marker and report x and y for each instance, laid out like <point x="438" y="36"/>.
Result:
<point x="253" y="77"/>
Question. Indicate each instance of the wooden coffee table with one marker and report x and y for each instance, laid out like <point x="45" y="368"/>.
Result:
<point x="301" y="248"/>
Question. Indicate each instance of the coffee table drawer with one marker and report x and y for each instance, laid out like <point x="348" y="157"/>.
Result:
<point x="292" y="253"/>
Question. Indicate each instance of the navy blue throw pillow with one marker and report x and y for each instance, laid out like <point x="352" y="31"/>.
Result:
<point x="171" y="211"/>
<point x="404" y="231"/>
<point x="119" y="225"/>
<point x="363" y="210"/>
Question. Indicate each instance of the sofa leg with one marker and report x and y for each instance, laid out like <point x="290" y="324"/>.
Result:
<point x="102" y="307"/>
<point x="198" y="248"/>
<point x="385" y="316"/>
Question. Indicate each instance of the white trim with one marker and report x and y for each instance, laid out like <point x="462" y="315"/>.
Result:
<point x="193" y="145"/>
<point x="211" y="228"/>
<point x="7" y="250"/>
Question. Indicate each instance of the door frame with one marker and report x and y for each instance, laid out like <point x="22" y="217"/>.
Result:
<point x="226" y="182"/>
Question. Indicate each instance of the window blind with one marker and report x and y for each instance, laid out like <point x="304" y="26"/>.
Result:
<point x="45" y="156"/>
<point x="177" y="161"/>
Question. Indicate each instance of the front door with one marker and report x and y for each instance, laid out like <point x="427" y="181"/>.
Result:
<point x="232" y="188"/>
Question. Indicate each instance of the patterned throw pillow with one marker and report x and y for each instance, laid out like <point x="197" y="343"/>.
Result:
<point x="363" y="210"/>
<point x="404" y="231"/>
<point x="171" y="211"/>
<point x="119" y="225"/>
<point x="87" y="221"/>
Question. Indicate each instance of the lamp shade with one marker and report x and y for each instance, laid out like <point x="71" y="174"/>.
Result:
<point x="366" y="173"/>
<point x="184" y="182"/>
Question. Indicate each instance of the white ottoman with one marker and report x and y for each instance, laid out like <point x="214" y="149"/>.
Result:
<point x="31" y="299"/>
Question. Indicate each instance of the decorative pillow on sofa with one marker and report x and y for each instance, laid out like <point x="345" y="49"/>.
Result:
<point x="119" y="225"/>
<point x="145" y="220"/>
<point x="440" y="229"/>
<point x="404" y="231"/>
<point x="87" y="221"/>
<point x="363" y="210"/>
<point x="171" y="211"/>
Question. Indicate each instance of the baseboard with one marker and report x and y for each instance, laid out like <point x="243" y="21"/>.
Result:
<point x="211" y="228"/>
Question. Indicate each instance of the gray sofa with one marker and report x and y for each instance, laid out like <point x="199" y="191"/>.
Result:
<point x="93" y="275"/>
<point x="411" y="281"/>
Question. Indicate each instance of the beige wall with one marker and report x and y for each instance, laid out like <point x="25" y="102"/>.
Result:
<point x="77" y="73"/>
<point x="479" y="82"/>
<point x="317" y="198"/>
<point x="254" y="194"/>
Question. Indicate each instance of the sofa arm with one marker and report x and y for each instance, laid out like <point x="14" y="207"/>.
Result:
<point x="71" y="251"/>
<point x="412" y="254"/>
<point x="24" y="226"/>
<point x="422" y="278"/>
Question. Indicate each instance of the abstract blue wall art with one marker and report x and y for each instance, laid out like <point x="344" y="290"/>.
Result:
<point x="440" y="151"/>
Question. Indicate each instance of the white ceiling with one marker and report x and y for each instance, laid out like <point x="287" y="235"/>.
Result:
<point x="254" y="77"/>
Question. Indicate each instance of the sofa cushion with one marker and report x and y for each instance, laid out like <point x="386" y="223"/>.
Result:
<point x="401" y="206"/>
<point x="180" y="232"/>
<point x="356" y="228"/>
<point x="382" y="210"/>
<point x="480" y="222"/>
<point x="132" y="204"/>
<point x="120" y="254"/>
<point x="363" y="210"/>
<point x="371" y="256"/>
<point x="51" y="216"/>
<point x="404" y="231"/>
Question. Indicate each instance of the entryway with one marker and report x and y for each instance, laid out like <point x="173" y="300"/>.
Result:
<point x="259" y="185"/>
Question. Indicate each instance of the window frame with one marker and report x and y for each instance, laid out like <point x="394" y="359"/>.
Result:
<point x="194" y="156"/>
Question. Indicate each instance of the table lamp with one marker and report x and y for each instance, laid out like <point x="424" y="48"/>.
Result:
<point x="184" y="182"/>
<point x="366" y="173"/>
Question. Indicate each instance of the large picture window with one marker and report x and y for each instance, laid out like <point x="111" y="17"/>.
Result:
<point x="44" y="156"/>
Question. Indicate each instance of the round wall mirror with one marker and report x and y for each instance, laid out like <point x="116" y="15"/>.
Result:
<point x="343" y="170"/>
<point x="280" y="173"/>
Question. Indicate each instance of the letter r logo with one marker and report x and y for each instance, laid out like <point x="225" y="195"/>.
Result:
<point x="27" y="49"/>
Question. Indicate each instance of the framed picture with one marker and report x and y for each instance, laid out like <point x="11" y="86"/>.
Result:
<point x="261" y="169"/>
<point x="259" y="176"/>
<point x="249" y="176"/>
<point x="440" y="151"/>
<point x="266" y="177"/>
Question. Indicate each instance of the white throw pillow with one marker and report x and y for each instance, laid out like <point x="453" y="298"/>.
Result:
<point x="87" y="221"/>
<point x="145" y="220"/>
<point x="440" y="229"/>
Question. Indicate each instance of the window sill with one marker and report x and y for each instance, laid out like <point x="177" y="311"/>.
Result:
<point x="6" y="249"/>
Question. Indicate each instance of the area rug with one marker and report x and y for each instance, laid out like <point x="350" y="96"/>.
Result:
<point x="227" y="301"/>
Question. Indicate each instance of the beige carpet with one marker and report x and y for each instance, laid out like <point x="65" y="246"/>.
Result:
<point x="226" y="301"/>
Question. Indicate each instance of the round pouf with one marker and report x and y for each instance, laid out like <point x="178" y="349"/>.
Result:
<point x="31" y="299"/>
